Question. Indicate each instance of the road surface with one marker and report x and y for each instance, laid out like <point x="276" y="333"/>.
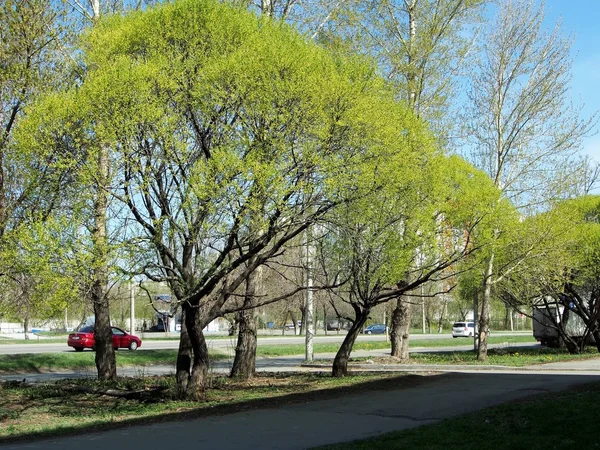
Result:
<point x="299" y="426"/>
<point x="219" y="342"/>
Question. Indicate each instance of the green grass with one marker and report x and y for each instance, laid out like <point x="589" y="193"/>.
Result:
<point x="565" y="420"/>
<point x="40" y="362"/>
<point x="27" y="363"/>
<point x="30" y="411"/>
<point x="52" y="340"/>
<point x="513" y="357"/>
<point x="298" y="349"/>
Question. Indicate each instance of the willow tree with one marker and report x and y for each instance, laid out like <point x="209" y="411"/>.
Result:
<point x="415" y="227"/>
<point x="562" y="275"/>
<point x="234" y="135"/>
<point x="310" y="18"/>
<point x="523" y="131"/>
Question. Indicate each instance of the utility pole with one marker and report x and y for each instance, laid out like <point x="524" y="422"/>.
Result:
<point x="310" y="325"/>
<point x="476" y="334"/>
<point x="131" y="308"/>
<point x="422" y="309"/>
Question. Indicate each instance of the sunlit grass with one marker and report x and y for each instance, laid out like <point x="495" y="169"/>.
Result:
<point x="39" y="362"/>
<point x="564" y="420"/>
<point x="61" y="407"/>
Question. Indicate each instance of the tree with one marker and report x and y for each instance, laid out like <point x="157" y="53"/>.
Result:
<point x="98" y="176"/>
<point x="521" y="129"/>
<point x="37" y="274"/>
<point x="419" y="46"/>
<point x="414" y="228"/>
<point x="31" y="63"/>
<point x="565" y="275"/>
<point x="309" y="17"/>
<point x="225" y="125"/>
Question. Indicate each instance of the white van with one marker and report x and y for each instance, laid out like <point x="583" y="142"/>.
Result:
<point x="463" y="329"/>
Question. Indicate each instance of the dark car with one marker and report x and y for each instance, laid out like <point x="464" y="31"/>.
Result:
<point x="375" y="329"/>
<point x="84" y="338"/>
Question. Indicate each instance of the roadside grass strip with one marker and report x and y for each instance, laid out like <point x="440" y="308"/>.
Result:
<point x="565" y="420"/>
<point x="36" y="410"/>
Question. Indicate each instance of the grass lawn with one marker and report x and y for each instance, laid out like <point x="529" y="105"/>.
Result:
<point x="65" y="407"/>
<point x="509" y="356"/>
<point x="565" y="420"/>
<point x="40" y="362"/>
<point x="298" y="349"/>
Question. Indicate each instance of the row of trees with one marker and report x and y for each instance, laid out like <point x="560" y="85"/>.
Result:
<point x="204" y="146"/>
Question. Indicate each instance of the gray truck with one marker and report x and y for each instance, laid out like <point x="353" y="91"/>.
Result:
<point x="546" y="319"/>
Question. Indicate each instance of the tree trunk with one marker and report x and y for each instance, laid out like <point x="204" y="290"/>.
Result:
<point x="340" y="362"/>
<point x="302" y="325"/>
<point x="26" y="327"/>
<point x="400" y="329"/>
<point x="484" y="317"/>
<point x="184" y="358"/>
<point x="105" y="353"/>
<point x="596" y="335"/>
<point x="405" y="329"/>
<point x="440" y="328"/>
<point x="196" y="384"/>
<point x="244" y="363"/>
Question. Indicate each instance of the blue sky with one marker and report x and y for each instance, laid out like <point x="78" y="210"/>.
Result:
<point x="581" y="19"/>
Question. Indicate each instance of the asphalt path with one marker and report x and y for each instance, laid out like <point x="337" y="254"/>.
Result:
<point x="220" y="342"/>
<point x="443" y="393"/>
<point x="298" y="426"/>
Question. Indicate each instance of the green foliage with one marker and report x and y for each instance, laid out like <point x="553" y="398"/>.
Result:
<point x="39" y="264"/>
<point x="228" y="128"/>
<point x="419" y="213"/>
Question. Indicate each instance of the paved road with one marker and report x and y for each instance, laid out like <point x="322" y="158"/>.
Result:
<point x="161" y="344"/>
<point x="221" y="343"/>
<point x="455" y="391"/>
<point x="302" y="426"/>
<point x="292" y="363"/>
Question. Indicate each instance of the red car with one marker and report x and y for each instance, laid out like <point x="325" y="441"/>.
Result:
<point x="84" y="338"/>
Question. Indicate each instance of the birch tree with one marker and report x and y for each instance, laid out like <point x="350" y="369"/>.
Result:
<point x="420" y="46"/>
<point x="95" y="175"/>
<point x="520" y="126"/>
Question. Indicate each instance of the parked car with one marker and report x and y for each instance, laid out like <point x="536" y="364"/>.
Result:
<point x="463" y="329"/>
<point x="338" y="325"/>
<point x="375" y="329"/>
<point x="84" y="338"/>
<point x="290" y="326"/>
